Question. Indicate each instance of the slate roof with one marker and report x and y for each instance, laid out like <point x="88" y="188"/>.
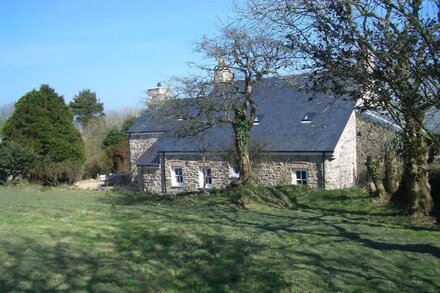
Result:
<point x="280" y="108"/>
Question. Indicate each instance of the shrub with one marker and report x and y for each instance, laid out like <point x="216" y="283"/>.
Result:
<point x="97" y="165"/>
<point x="53" y="173"/>
<point x="16" y="160"/>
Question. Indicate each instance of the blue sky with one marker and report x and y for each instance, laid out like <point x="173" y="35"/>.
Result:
<point x="117" y="48"/>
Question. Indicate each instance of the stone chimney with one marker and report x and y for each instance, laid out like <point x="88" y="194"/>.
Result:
<point x="222" y="73"/>
<point x="158" y="93"/>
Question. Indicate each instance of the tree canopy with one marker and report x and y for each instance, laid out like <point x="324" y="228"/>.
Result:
<point x="223" y="95"/>
<point x="116" y="145"/>
<point x="383" y="53"/>
<point x="43" y="123"/>
<point x="85" y="106"/>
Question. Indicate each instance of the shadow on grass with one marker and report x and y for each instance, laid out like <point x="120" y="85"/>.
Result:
<point x="230" y="261"/>
<point x="201" y="262"/>
<point x="143" y="260"/>
<point x="27" y="265"/>
<point x="219" y="248"/>
<point x="417" y="248"/>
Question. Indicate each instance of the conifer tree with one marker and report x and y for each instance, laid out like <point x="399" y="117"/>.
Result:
<point x="43" y="123"/>
<point x="85" y="106"/>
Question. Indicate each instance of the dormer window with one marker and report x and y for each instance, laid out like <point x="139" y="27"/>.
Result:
<point x="258" y="119"/>
<point x="308" y="117"/>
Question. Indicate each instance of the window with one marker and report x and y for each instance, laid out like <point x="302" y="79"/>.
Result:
<point x="308" y="117"/>
<point x="233" y="173"/>
<point x="205" y="177"/>
<point x="177" y="177"/>
<point x="258" y="119"/>
<point x="300" y="177"/>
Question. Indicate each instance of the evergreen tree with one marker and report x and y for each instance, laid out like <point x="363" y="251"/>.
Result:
<point x="43" y="123"/>
<point x="85" y="107"/>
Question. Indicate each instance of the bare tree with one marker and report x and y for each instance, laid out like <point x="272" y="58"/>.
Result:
<point x="383" y="53"/>
<point x="223" y="96"/>
<point x="6" y="111"/>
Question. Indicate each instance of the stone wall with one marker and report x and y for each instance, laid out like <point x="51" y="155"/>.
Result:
<point x="341" y="171"/>
<point x="372" y="139"/>
<point x="274" y="171"/>
<point x="151" y="179"/>
<point x="278" y="170"/>
<point x="191" y="165"/>
<point x="138" y="145"/>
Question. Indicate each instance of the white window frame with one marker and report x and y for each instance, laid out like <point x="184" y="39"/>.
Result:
<point x="233" y="173"/>
<point x="308" y="117"/>
<point x="258" y="119"/>
<point x="300" y="181"/>
<point x="205" y="178"/>
<point x="177" y="179"/>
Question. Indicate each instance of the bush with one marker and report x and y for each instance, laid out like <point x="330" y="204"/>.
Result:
<point x="96" y="165"/>
<point x="53" y="173"/>
<point x="16" y="160"/>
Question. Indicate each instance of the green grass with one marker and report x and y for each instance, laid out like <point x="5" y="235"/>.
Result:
<point x="281" y="240"/>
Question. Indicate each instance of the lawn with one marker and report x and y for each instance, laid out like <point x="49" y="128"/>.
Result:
<point x="67" y="240"/>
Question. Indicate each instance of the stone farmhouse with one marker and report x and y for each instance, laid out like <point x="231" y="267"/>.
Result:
<point x="314" y="140"/>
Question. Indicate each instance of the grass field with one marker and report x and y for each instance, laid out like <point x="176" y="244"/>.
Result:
<point x="61" y="240"/>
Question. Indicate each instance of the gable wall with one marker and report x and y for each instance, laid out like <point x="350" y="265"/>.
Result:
<point x="138" y="145"/>
<point x="340" y="172"/>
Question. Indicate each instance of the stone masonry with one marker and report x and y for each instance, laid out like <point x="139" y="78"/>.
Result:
<point x="139" y="144"/>
<point x="276" y="171"/>
<point x="341" y="170"/>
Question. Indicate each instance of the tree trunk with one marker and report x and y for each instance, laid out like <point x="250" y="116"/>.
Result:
<point x="242" y="140"/>
<point x="374" y="167"/>
<point x="392" y="174"/>
<point x="414" y="189"/>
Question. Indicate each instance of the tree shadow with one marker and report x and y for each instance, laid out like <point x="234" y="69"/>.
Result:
<point x="217" y="253"/>
<point x="417" y="248"/>
<point x="28" y="265"/>
<point x="208" y="259"/>
<point x="211" y="263"/>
